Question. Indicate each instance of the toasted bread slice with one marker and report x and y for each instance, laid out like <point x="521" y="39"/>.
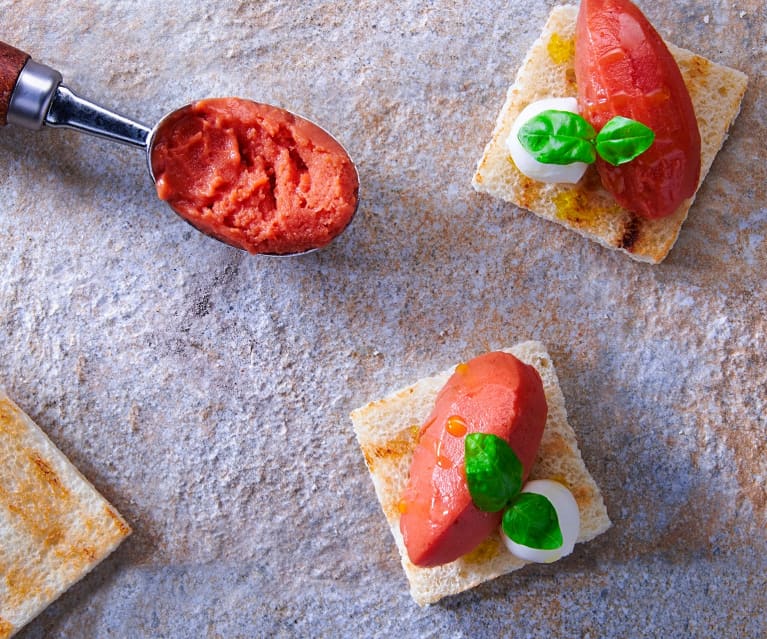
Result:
<point x="386" y="430"/>
<point x="586" y="208"/>
<point x="54" y="525"/>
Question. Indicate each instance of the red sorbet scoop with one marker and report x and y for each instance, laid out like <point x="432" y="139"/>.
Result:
<point x="255" y="176"/>
<point x="494" y="393"/>
<point x="623" y="67"/>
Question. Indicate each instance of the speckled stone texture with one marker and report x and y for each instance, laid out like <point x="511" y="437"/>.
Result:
<point x="206" y="392"/>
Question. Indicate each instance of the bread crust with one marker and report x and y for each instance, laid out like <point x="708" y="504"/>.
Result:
<point x="386" y="431"/>
<point x="586" y="208"/>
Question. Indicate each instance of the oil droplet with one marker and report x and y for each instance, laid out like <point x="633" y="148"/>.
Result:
<point x="442" y="460"/>
<point x="462" y="369"/>
<point x="402" y="506"/>
<point x="573" y="206"/>
<point x="561" y="50"/>
<point x="456" y="426"/>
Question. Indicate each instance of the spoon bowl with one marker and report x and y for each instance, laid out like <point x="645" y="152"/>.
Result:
<point x="263" y="179"/>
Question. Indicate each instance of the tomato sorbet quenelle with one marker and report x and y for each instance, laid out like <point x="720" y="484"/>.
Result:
<point x="494" y="393"/>
<point x="254" y="176"/>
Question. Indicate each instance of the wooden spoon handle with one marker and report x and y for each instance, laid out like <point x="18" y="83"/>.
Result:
<point x="12" y="61"/>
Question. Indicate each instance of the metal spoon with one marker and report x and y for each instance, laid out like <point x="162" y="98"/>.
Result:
<point x="32" y="96"/>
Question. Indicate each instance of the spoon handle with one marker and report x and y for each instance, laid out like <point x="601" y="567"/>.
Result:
<point x="31" y="95"/>
<point x="71" y="111"/>
<point x="12" y="61"/>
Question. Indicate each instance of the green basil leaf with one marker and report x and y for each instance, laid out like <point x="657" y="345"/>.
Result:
<point x="532" y="521"/>
<point x="493" y="471"/>
<point x="558" y="137"/>
<point x="622" y="139"/>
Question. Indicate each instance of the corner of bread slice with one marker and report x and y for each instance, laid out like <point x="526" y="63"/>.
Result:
<point x="386" y="431"/>
<point x="54" y="525"/>
<point x="586" y="208"/>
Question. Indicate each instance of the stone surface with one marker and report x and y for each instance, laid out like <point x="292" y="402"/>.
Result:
<point x="206" y="392"/>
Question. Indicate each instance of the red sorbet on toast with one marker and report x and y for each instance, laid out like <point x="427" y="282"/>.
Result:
<point x="496" y="394"/>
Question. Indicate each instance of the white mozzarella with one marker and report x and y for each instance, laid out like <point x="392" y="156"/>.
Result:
<point x="569" y="522"/>
<point x="552" y="173"/>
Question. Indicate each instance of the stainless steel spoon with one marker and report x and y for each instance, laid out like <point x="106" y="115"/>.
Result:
<point x="32" y="96"/>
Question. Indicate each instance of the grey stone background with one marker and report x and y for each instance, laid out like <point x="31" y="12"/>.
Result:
<point x="206" y="392"/>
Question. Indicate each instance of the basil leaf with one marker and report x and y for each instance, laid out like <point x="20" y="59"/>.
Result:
<point x="493" y="471"/>
<point x="623" y="139"/>
<point x="558" y="137"/>
<point x="532" y="521"/>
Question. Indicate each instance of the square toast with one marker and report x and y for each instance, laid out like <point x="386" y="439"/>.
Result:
<point x="386" y="430"/>
<point x="54" y="526"/>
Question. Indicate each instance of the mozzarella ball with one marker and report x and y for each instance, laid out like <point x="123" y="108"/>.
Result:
<point x="526" y="163"/>
<point x="569" y="522"/>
